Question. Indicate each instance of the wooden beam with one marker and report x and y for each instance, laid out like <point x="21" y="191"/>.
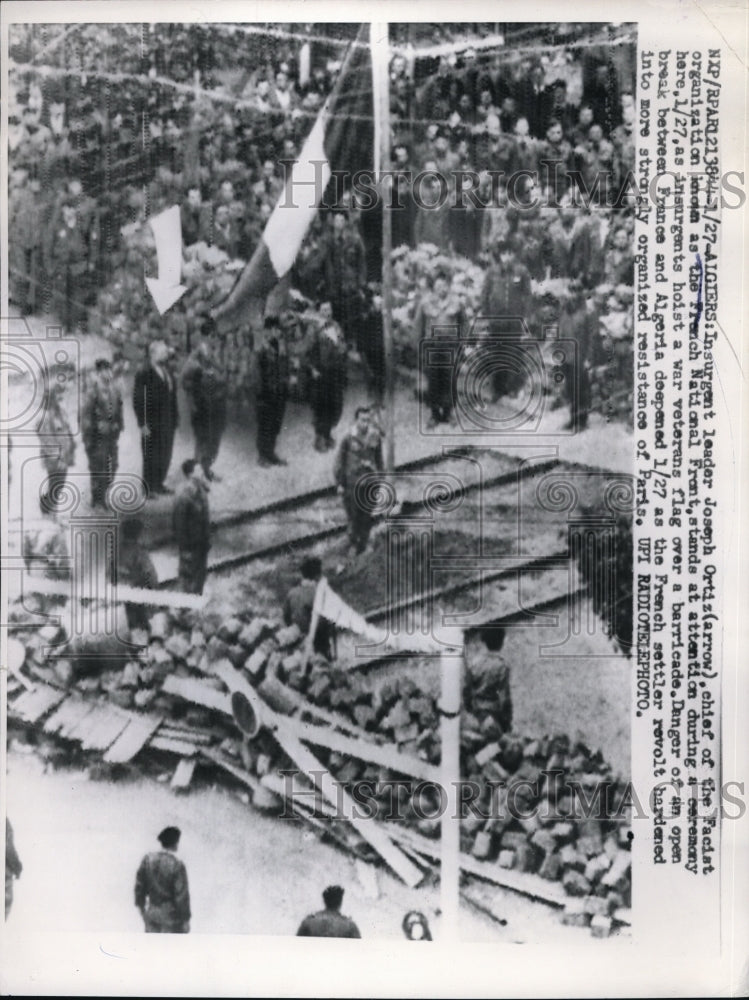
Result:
<point x="216" y="757"/>
<point x="366" y="750"/>
<point x="183" y="774"/>
<point x="33" y="704"/>
<point x="136" y="735"/>
<point x="197" y="692"/>
<point x="335" y="793"/>
<point x="121" y="593"/>
<point x="526" y="883"/>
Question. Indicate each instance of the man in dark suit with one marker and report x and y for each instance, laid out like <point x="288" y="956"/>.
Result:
<point x="155" y="405"/>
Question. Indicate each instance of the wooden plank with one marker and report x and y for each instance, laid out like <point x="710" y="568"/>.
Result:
<point x="369" y="830"/>
<point x="32" y="705"/>
<point x="197" y="692"/>
<point x="104" y="728"/>
<point x="138" y="731"/>
<point x="366" y="750"/>
<point x="526" y="883"/>
<point x="183" y="774"/>
<point x="241" y="775"/>
<point x="173" y="746"/>
<point x="197" y="736"/>
<point x="283" y="729"/>
<point x="119" y="594"/>
<point x="68" y="714"/>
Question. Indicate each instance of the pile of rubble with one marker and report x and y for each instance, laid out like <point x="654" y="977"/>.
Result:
<point x="524" y="821"/>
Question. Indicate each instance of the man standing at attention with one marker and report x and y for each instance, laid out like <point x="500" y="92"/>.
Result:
<point x="191" y="522"/>
<point x="359" y="454"/>
<point x="204" y="381"/>
<point x="101" y="424"/>
<point x="161" y="891"/>
<point x="326" y="361"/>
<point x="329" y="922"/>
<point x="272" y="369"/>
<point x="155" y="405"/>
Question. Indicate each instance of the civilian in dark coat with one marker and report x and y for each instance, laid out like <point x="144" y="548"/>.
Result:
<point x="326" y="362"/>
<point x="155" y="405"/>
<point x="191" y="522"/>
<point x="272" y="367"/>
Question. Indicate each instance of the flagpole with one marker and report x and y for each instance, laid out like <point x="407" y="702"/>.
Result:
<point x="451" y="669"/>
<point x="381" y="82"/>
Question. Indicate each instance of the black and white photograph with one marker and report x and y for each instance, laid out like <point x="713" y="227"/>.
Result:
<point x="336" y="429"/>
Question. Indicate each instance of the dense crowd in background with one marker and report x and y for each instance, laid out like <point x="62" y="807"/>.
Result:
<point x="204" y="125"/>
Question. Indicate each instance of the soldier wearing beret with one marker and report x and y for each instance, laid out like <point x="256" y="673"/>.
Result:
<point x="161" y="891"/>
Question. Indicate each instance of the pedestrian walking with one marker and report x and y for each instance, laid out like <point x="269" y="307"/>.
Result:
<point x="162" y="893"/>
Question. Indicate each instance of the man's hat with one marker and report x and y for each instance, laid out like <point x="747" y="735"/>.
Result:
<point x="101" y="363"/>
<point x="169" y="836"/>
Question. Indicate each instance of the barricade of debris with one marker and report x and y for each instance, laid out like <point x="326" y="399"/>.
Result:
<point x="544" y="817"/>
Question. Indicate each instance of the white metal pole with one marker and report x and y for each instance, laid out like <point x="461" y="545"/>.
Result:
<point x="452" y="678"/>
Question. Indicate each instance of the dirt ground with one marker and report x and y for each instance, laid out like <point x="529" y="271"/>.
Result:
<point x="81" y="840"/>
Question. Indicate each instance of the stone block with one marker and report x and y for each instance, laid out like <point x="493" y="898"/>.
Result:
<point x="600" y="926"/>
<point x="506" y="859"/>
<point x="526" y="859"/>
<point x="482" y="846"/>
<point x="596" y="906"/>
<point x="256" y="661"/>
<point x="197" y="639"/>
<point x="596" y="866"/>
<point x="289" y="636"/>
<point x="229" y="630"/>
<point x="544" y="840"/>
<point x="551" y="867"/>
<point x="511" y="838"/>
<point x="575" y="883"/>
<point x="178" y="646"/>
<point x="574" y="914"/>
<point x="364" y="715"/>
<point x="236" y="655"/>
<point x="216" y="649"/>
<point x="487" y="753"/>
<point x="158" y="625"/>
<point x="571" y="859"/>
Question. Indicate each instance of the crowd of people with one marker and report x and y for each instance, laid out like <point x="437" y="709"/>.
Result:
<point x="553" y="246"/>
<point x="558" y="121"/>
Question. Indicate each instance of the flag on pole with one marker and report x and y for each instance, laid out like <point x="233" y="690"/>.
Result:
<point x="341" y="140"/>
<point x="332" y="607"/>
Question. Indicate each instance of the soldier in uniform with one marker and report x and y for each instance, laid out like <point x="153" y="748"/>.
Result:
<point x="161" y="891"/>
<point x="505" y="299"/>
<point x="298" y="607"/>
<point x="360" y="453"/>
<point x="439" y="315"/>
<point x="135" y="568"/>
<point x="155" y="405"/>
<point x="101" y="425"/>
<point x="329" y="922"/>
<point x="191" y="522"/>
<point x="326" y="361"/>
<point x="272" y="367"/>
<point x="57" y="442"/>
<point x="488" y="677"/>
<point x="13" y="866"/>
<point x="204" y="381"/>
<point x="68" y="268"/>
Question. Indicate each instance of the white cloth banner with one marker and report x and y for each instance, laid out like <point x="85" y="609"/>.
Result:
<point x="335" y="610"/>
